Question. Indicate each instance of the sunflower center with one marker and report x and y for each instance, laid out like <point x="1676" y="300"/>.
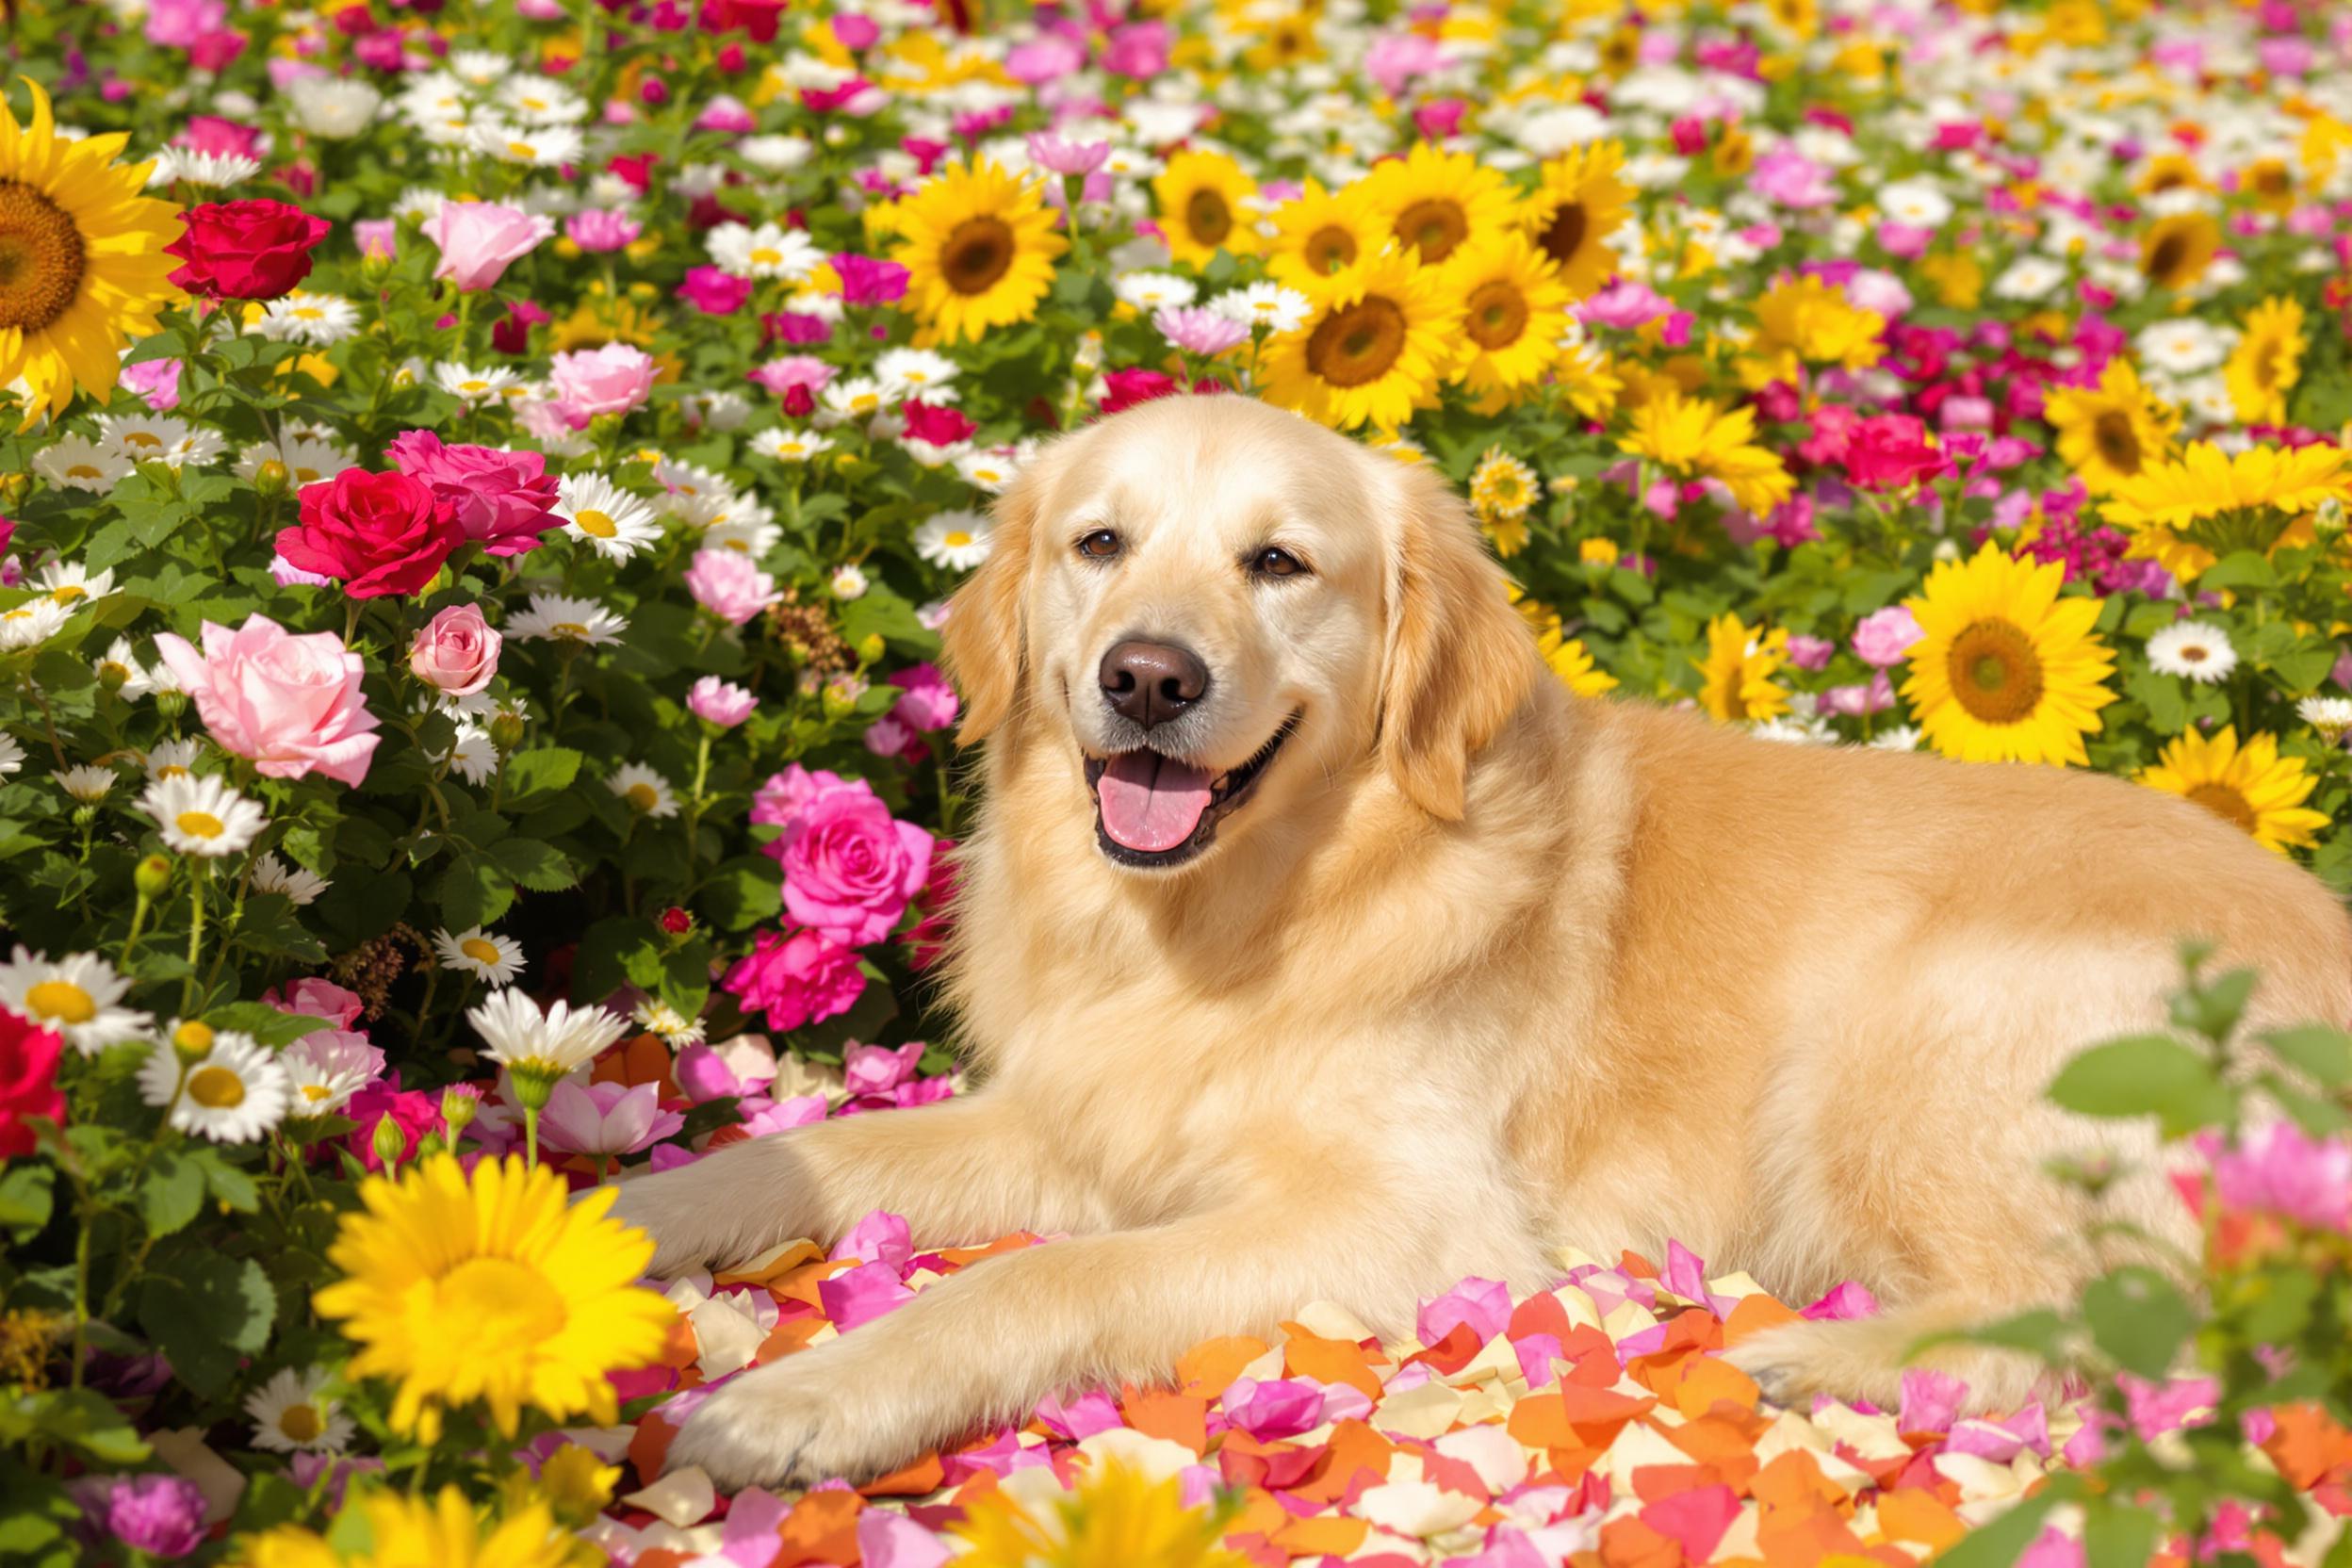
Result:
<point x="1498" y="315"/>
<point x="1358" y="344"/>
<point x="979" y="252"/>
<point x="1207" y="216"/>
<point x="596" y="523"/>
<point x="216" y="1088"/>
<point x="300" y="1423"/>
<point x="1434" y="226"/>
<point x="1994" y="673"/>
<point x="2225" y="803"/>
<point x="479" y="951"/>
<point x="1564" y="234"/>
<point x="2169" y="252"/>
<point x="1330" y="248"/>
<point x="61" y="1000"/>
<point x="509" y="1309"/>
<point x="42" y="258"/>
<point x="2117" y="445"/>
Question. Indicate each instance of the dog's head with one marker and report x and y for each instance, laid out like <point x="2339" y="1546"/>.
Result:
<point x="1219" y="607"/>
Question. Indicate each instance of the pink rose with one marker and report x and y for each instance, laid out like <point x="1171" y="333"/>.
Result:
<point x="315" y="997"/>
<point x="605" y="1119"/>
<point x="599" y="229"/>
<point x="795" y="980"/>
<point x="727" y="584"/>
<point x="500" y="498"/>
<point x="456" y="652"/>
<point x="1892" y="451"/>
<point x="929" y="702"/>
<point x="721" y="702"/>
<point x="286" y="704"/>
<point x="1884" y="636"/>
<point x="612" y="380"/>
<point x="479" y="240"/>
<point x="850" y="868"/>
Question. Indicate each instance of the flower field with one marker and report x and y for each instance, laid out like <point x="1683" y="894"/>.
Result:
<point x="482" y="482"/>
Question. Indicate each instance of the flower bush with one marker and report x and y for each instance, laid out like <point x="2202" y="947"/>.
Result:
<point x="483" y="484"/>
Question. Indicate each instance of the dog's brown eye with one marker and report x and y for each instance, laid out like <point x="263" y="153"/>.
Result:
<point x="1099" y="546"/>
<point x="1275" y="562"/>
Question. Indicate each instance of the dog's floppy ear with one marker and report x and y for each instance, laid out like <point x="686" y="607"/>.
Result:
<point x="987" y="631"/>
<point x="1461" y="660"/>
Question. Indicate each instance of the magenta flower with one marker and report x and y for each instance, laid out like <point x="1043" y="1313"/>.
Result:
<point x="160" y="1516"/>
<point x="729" y="585"/>
<point x="1199" y="330"/>
<point x="596" y="230"/>
<point x="1884" y="637"/>
<point x="500" y="498"/>
<point x="804" y="372"/>
<point x="867" y="281"/>
<point x="850" y="868"/>
<point x="605" y="1119"/>
<point x="714" y="292"/>
<point x="2282" y="1171"/>
<point x="796" y="980"/>
<point x="720" y="702"/>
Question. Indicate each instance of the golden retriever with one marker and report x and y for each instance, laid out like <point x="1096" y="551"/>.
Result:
<point x="1316" y="943"/>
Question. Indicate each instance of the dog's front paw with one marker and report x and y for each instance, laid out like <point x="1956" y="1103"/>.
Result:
<point x="808" y="1418"/>
<point x="688" y="1231"/>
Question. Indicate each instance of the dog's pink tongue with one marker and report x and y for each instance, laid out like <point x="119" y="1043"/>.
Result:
<point x="1151" y="803"/>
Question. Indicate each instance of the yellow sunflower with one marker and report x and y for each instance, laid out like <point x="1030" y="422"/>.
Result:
<point x="1804" y="320"/>
<point x="978" y="245"/>
<point x="2267" y="362"/>
<point x="1736" y="677"/>
<point x="2007" y="671"/>
<point x="1117" y="1516"/>
<point x="2250" y="785"/>
<point x="2111" y="432"/>
<point x="1514" y="310"/>
<point x="1578" y="203"/>
<point x="1374" y="349"/>
<point x="1435" y="201"/>
<point x="492" y="1288"/>
<point x="426" y="1532"/>
<point x="1322" y="235"/>
<point x="82" y="269"/>
<point x="2189" y="512"/>
<point x="2175" y="251"/>
<point x="1692" y="438"/>
<point x="1205" y="203"/>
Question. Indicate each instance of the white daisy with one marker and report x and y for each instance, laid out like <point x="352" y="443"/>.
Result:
<point x="320" y="320"/>
<point x="1265" y="304"/>
<point x="524" y="1040"/>
<point x="233" y="1093"/>
<point x="471" y="754"/>
<point x="990" y="471"/>
<point x="76" y="997"/>
<point x="1146" y="292"/>
<point x="484" y="955"/>
<point x="1794" y="731"/>
<point x="657" y="1017"/>
<point x="471" y="385"/>
<point x="720" y="410"/>
<point x="88" y="784"/>
<point x="776" y="154"/>
<point x="849" y="581"/>
<point x="78" y="462"/>
<point x="791" y="446"/>
<point x="770" y="250"/>
<point x="298" y="884"/>
<point x="171" y="758"/>
<point x="121" y="671"/>
<point x="854" y="397"/>
<point x="307" y="459"/>
<point x="33" y="621"/>
<point x="12" y="755"/>
<point x="686" y="483"/>
<point x="212" y="171"/>
<point x="918" y="372"/>
<point x="534" y="146"/>
<point x="958" y="540"/>
<point x="2184" y="346"/>
<point x="2198" y="649"/>
<point x="289" y="1413"/>
<point x="1916" y="203"/>
<point x="752" y="537"/>
<point x="70" y="583"/>
<point x="537" y="99"/>
<point x="645" y="791"/>
<point x="325" y="1069"/>
<point x="559" y="618"/>
<point x="159" y="438"/>
<point x="334" y="109"/>
<point x="203" y="816"/>
<point x="2330" y="716"/>
<point x="2029" y="278"/>
<point x="607" y="518"/>
<point x="1903" y="737"/>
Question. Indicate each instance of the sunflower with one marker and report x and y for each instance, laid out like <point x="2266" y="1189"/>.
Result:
<point x="1435" y="201"/>
<point x="1804" y="320"/>
<point x="2111" y="432"/>
<point x="492" y="1288"/>
<point x="2267" y="362"/>
<point x="978" y="245"/>
<point x="415" y="1532"/>
<point x="1578" y="203"/>
<point x="2250" y="785"/>
<point x="1205" y="203"/>
<point x="1514" y="312"/>
<point x="1320" y="236"/>
<point x="1698" y="440"/>
<point x="2006" y="671"/>
<point x="2188" y="512"/>
<point x="1736" y="677"/>
<point x="82" y="268"/>
<point x="1118" y="1517"/>
<point x="2176" y="250"/>
<point x="1374" y="349"/>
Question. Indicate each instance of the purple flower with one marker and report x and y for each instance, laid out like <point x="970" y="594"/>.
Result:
<point x="160" y="1516"/>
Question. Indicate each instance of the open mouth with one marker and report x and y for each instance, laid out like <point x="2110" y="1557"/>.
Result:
<point x="1155" y="810"/>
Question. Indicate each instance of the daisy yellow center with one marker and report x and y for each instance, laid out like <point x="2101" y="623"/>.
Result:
<point x="1994" y="673"/>
<point x="1498" y="316"/>
<point x="597" y="524"/>
<point x="2225" y="803"/>
<point x="200" y="825"/>
<point x="643" y="797"/>
<point x="1358" y="344"/>
<point x="82" y="471"/>
<point x="479" y="951"/>
<point x="300" y="1423"/>
<point x="216" y="1088"/>
<point x="141" y="438"/>
<point x="1565" y="232"/>
<point x="520" y="150"/>
<point x="509" y="1309"/>
<point x="956" y="538"/>
<point x="976" y="255"/>
<point x="570" y="628"/>
<point x="61" y="1000"/>
<point x="316" y="1092"/>
<point x="42" y="258"/>
<point x="2117" y="445"/>
<point x="1208" y="218"/>
<point x="767" y="257"/>
<point x="1435" y="227"/>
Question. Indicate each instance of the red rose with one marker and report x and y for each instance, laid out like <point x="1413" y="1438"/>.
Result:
<point x="28" y="1082"/>
<point x="938" y="424"/>
<point x="256" y="250"/>
<point x="378" y="534"/>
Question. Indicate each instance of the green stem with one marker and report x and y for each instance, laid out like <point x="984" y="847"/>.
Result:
<point x="195" y="938"/>
<point x="530" y="1136"/>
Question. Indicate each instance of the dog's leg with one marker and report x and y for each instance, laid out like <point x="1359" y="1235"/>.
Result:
<point x="968" y="1169"/>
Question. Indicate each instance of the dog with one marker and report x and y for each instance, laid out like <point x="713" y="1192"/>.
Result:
<point x="1315" y="942"/>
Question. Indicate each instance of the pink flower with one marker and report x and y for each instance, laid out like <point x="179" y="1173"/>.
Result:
<point x="1198" y="330"/>
<point x="850" y="868"/>
<point x="729" y="585"/>
<point x="596" y="230"/>
<point x="606" y="1119"/>
<point x="866" y="280"/>
<point x="720" y="702"/>
<point x="1810" y="653"/>
<point x="333" y="1051"/>
<point x="1484" y="1304"/>
<point x="714" y="292"/>
<point x="413" y="1111"/>
<point x="500" y="498"/>
<point x="804" y="371"/>
<point x="796" y="980"/>
<point x="456" y="652"/>
<point x="156" y="381"/>
<point x="315" y="997"/>
<point x="1884" y="637"/>
<point x="286" y="704"/>
<point x="479" y="240"/>
<point x="937" y="424"/>
<point x="1893" y="451"/>
<point x="1060" y="156"/>
<point x="161" y="1516"/>
<point x="378" y="238"/>
<point x="2282" y="1171"/>
<point x="929" y="703"/>
<point x="879" y="1069"/>
<point x="1789" y="178"/>
<point x="612" y="380"/>
<point x="1396" y="58"/>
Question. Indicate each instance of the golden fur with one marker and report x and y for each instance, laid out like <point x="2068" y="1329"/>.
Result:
<point x="1482" y="968"/>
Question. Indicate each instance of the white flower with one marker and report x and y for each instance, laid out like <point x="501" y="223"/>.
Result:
<point x="1265" y="304"/>
<point x="471" y="754"/>
<point x="156" y="439"/>
<point x="607" y="518"/>
<point x="234" y="1093"/>
<point x="791" y="446"/>
<point x="990" y="471"/>
<point x="534" y="146"/>
<point x="958" y="540"/>
<point x="660" y="1018"/>
<point x="484" y="955"/>
<point x="212" y="171"/>
<point x="70" y="583"/>
<point x="289" y="1413"/>
<point x="770" y="250"/>
<point x="88" y="784"/>
<point x="1903" y="737"/>
<point x="171" y="758"/>
<point x="849" y="581"/>
<point x="203" y="816"/>
<point x="324" y="1069"/>
<point x="1794" y="731"/>
<point x="334" y="109"/>
<point x="916" y="371"/>
<point x="1148" y="291"/>
<point x="537" y="99"/>
<point x="12" y="755"/>
<point x="2330" y="716"/>
<point x="471" y="385"/>
<point x="776" y="154"/>
<point x="78" y="462"/>
<point x="720" y="410"/>
<point x="122" y="667"/>
<point x="2029" y="278"/>
<point x="33" y="621"/>
<point x="852" y="397"/>
<point x="76" y="997"/>
<point x="2196" y="649"/>
<point x="320" y="320"/>
<point x="557" y="618"/>
<point x="307" y="459"/>
<point x="687" y="483"/>
<point x="520" y="1038"/>
<point x="297" y="884"/>
<point x="1916" y="203"/>
<point x="645" y="791"/>
<point x="2183" y="346"/>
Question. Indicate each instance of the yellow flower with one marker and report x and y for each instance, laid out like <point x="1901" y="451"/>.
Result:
<point x="495" y="1288"/>
<point x="421" y="1532"/>
<point x="1958" y="277"/>
<point x="1597" y="552"/>
<point x="2267" y="362"/>
<point x="2176" y="250"/>
<point x="2251" y="786"/>
<point x="82" y="269"/>
<point x="2189" y="512"/>
<point x="1436" y="202"/>
<point x="1514" y="309"/>
<point x="1802" y="319"/>
<point x="2112" y="432"/>
<point x="1698" y="440"/>
<point x="1502" y="486"/>
<point x="1736" y="677"/>
<point x="1578" y="203"/>
<point x="2006" y="670"/>
<point x="1572" y="662"/>
<point x="978" y="245"/>
<point x="1116" y="1518"/>
<point x="1373" y="350"/>
<point x="1319" y="237"/>
<point x="572" y="1482"/>
<point x="1205" y="203"/>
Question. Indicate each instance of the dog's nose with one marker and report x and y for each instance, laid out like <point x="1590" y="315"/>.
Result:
<point x="1152" y="682"/>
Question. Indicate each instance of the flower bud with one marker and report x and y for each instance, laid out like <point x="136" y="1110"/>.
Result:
<point x="389" y="1140"/>
<point x="270" y="479"/>
<point x="111" y="676"/>
<point x="192" y="1041"/>
<point x="2327" y="522"/>
<point x="458" y="1104"/>
<point x="840" y="695"/>
<point x="506" y="732"/>
<point x="676" y="921"/>
<point x="152" y="877"/>
<point x="170" y="704"/>
<point x="870" y="647"/>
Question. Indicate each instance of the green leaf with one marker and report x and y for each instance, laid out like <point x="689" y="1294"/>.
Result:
<point x="2275" y="1306"/>
<point x="203" y="1310"/>
<point x="535" y="865"/>
<point x="264" y="1022"/>
<point x="2319" y="1118"/>
<point x="2138" y="1318"/>
<point x="171" y="1193"/>
<point x="2323" y="1054"/>
<point x="2001" y="1542"/>
<point x="2146" y="1076"/>
<point x="742" y="892"/>
<point x="2240" y="569"/>
<point x="2118" y="1536"/>
<point x="2213" y="1008"/>
<point x="87" y="1421"/>
<point x="25" y="1200"/>
<point x="2041" y="1331"/>
<point x="230" y="1183"/>
<point x="531" y="776"/>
